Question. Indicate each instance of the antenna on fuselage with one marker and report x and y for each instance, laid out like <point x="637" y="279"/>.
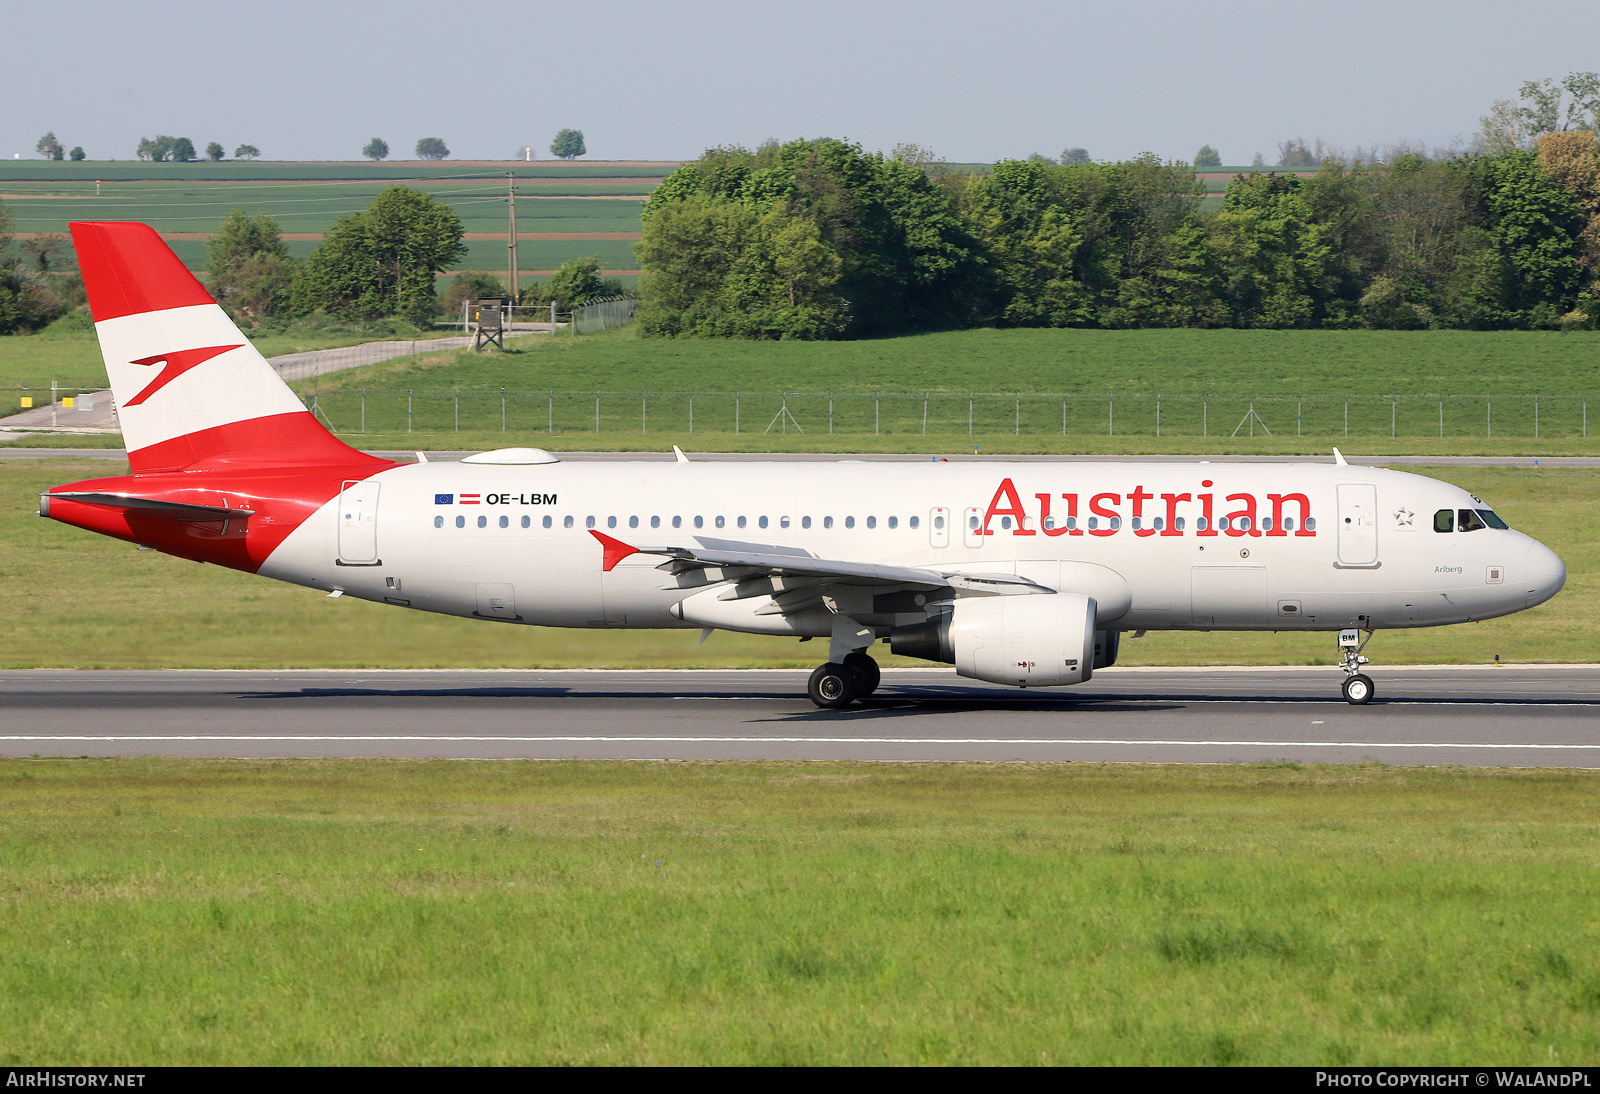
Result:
<point x="1339" y="460"/>
<point x="678" y="453"/>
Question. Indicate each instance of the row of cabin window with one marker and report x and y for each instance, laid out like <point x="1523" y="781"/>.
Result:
<point x="1470" y="520"/>
<point x="1157" y="523"/>
<point x="699" y="522"/>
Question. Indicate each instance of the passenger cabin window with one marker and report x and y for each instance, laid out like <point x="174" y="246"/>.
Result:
<point x="805" y="522"/>
<point x="505" y="522"/>
<point x="740" y="522"/>
<point x="655" y="522"/>
<point x="914" y="521"/>
<point x="762" y="521"/>
<point x="1469" y="521"/>
<point x="1444" y="520"/>
<point x="699" y="522"/>
<point x="611" y="522"/>
<point x="677" y="522"/>
<point x="461" y="522"/>
<point x="872" y="522"/>
<point x="566" y="522"/>
<point x="548" y="521"/>
<point x="588" y="522"/>
<point x="849" y="522"/>
<point x="438" y="522"/>
<point x="527" y="522"/>
<point x="483" y="522"/>
<point x="633" y="522"/>
<point x="827" y="522"/>
<point x="783" y="522"/>
<point x="894" y="522"/>
<point x="721" y="521"/>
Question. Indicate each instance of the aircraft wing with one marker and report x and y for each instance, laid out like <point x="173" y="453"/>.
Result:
<point x="743" y="561"/>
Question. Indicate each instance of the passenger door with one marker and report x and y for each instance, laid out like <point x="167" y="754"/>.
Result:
<point x="358" y="523"/>
<point x="1358" y="524"/>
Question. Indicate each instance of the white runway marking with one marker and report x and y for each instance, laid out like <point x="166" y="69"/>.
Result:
<point x="391" y="739"/>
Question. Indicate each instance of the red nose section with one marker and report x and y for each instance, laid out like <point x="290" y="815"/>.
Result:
<point x="616" y="550"/>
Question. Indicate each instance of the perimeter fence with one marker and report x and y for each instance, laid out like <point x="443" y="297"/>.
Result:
<point x="947" y="414"/>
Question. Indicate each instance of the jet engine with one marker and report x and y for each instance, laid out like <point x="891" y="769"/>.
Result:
<point x="1032" y="641"/>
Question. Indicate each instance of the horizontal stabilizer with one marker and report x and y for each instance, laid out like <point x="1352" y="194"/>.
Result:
<point x="177" y="510"/>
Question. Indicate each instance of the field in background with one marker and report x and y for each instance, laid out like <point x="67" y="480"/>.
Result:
<point x="79" y="600"/>
<point x="191" y="199"/>
<point x="413" y="912"/>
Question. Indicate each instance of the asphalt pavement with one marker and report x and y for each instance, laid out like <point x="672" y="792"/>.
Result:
<point x="1515" y="716"/>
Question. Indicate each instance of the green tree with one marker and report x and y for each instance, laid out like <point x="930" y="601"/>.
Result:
<point x="376" y="149"/>
<point x="1534" y="226"/>
<point x="382" y="262"/>
<point x="214" y="152"/>
<point x="1207" y="157"/>
<point x="158" y="150"/>
<point x="1272" y="257"/>
<point x="568" y="144"/>
<point x="1075" y="156"/>
<point x="246" y="152"/>
<point x="431" y="148"/>
<point x="49" y="147"/>
<point x="469" y="285"/>
<point x="578" y="281"/>
<point x="76" y="155"/>
<point x="183" y="150"/>
<point x="249" y="268"/>
<point x="1543" y="106"/>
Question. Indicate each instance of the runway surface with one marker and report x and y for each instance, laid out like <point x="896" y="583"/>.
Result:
<point x="1535" y="716"/>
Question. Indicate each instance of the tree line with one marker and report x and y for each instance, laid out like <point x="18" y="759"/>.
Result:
<point x="819" y="239"/>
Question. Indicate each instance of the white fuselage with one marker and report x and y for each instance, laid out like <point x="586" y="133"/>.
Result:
<point x="513" y="542"/>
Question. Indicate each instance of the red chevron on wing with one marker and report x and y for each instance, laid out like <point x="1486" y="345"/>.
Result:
<point x="175" y="364"/>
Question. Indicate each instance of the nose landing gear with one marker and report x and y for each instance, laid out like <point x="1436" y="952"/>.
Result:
<point x="1358" y="687"/>
<point x="837" y="685"/>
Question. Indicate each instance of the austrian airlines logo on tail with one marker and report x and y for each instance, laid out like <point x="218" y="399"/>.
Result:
<point x="175" y="364"/>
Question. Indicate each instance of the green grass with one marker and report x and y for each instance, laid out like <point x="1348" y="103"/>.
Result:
<point x="392" y="912"/>
<point x="1517" y="392"/>
<point x="78" y="600"/>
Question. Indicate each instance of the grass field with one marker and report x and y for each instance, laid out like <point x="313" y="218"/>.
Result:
<point x="373" y="912"/>
<point x="77" y="600"/>
<point x="195" y="201"/>
<point x="280" y="171"/>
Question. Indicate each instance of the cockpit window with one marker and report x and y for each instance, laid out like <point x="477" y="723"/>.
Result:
<point x="1444" y="520"/>
<point x="1471" y="521"/>
<point x="1492" y="519"/>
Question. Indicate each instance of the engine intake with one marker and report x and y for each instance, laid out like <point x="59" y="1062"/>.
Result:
<point x="1038" y="640"/>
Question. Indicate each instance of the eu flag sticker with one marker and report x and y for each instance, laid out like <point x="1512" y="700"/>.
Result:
<point x="443" y="499"/>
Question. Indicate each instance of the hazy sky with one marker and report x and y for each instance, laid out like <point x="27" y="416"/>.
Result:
<point x="974" y="82"/>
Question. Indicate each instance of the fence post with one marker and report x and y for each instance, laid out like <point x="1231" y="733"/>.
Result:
<point x="969" y="413"/>
<point x="1063" y="415"/>
<point x="877" y="413"/>
<point x="691" y="413"/>
<point x="1488" y="418"/>
<point x="736" y="413"/>
<point x="363" y="410"/>
<point x="1536" y="417"/>
<point x="1347" y="415"/>
<point x="830" y="413"/>
<point x="924" y="415"/>
<point x="1299" y="413"/>
<point x="1441" y="419"/>
<point x="52" y="404"/>
<point x="502" y="408"/>
<point x="644" y="412"/>
<point x="597" y="412"/>
<point x="1158" y="414"/>
<point x="552" y="426"/>
<point x="1018" y="429"/>
<point x="1586" y="417"/>
<point x="1111" y="416"/>
<point x="1205" y="415"/>
<point x="1394" y="403"/>
<point x="409" y="393"/>
<point x="458" y="410"/>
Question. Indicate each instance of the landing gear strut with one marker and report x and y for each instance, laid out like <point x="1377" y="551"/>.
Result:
<point x="1358" y="687"/>
<point x="837" y="685"/>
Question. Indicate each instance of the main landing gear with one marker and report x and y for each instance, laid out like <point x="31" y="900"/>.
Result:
<point x="1358" y="687"/>
<point x="837" y="685"/>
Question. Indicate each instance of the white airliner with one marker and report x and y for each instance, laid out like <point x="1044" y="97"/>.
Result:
<point x="1022" y="574"/>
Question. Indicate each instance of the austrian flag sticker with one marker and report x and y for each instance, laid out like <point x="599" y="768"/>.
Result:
<point x="470" y="499"/>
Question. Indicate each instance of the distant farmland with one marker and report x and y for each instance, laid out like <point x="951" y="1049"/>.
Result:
<point x="563" y="210"/>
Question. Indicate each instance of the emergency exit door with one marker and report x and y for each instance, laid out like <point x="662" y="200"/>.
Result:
<point x="358" y="524"/>
<point x="1358" y="524"/>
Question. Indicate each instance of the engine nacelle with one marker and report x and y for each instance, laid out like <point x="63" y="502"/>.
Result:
<point x="1034" y="641"/>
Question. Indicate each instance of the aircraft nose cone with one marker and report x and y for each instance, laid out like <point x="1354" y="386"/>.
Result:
<point x="1546" y="574"/>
